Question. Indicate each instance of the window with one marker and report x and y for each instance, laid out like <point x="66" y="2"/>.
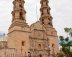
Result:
<point x="48" y="11"/>
<point x="29" y="54"/>
<point x="40" y="55"/>
<point x="39" y="45"/>
<point x="23" y="43"/>
<point x="21" y="5"/>
<point x="52" y="45"/>
<point x="42" y="13"/>
<point x="21" y="16"/>
<point x="20" y="0"/>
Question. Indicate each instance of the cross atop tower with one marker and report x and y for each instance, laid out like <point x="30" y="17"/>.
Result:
<point x="18" y="14"/>
<point x="46" y="18"/>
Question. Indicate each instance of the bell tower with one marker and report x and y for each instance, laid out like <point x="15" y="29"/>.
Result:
<point x="51" y="33"/>
<point x="18" y="14"/>
<point x="43" y="37"/>
<point x="19" y="30"/>
<point x="46" y="17"/>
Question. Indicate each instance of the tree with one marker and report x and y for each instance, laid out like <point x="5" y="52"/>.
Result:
<point x="66" y="43"/>
<point x="68" y="31"/>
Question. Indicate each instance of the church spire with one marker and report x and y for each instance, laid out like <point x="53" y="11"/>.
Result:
<point x="46" y="18"/>
<point x="18" y="14"/>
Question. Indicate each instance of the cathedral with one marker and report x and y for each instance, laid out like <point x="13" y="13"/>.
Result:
<point x="38" y="40"/>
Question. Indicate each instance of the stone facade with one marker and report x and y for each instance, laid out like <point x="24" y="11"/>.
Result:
<point x="3" y="41"/>
<point x="7" y="52"/>
<point x="43" y="37"/>
<point x="18" y="36"/>
<point x="38" y="40"/>
<point x="3" y="44"/>
<point x="43" y="41"/>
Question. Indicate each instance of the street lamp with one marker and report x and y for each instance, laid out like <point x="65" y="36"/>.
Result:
<point x="48" y="50"/>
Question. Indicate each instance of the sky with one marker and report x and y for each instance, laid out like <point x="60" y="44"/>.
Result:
<point x="61" y="11"/>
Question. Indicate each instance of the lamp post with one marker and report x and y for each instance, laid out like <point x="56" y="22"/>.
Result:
<point x="48" y="48"/>
<point x="49" y="51"/>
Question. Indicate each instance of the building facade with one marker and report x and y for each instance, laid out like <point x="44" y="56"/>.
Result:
<point x="8" y="52"/>
<point x="43" y="37"/>
<point x="38" y="40"/>
<point x="3" y="41"/>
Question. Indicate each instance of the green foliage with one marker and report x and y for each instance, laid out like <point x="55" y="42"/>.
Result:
<point x="67" y="39"/>
<point x="70" y="33"/>
<point x="60" y="55"/>
<point x="67" y="30"/>
<point x="61" y="38"/>
<point x="66" y="43"/>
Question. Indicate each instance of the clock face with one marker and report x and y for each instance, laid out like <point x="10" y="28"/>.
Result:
<point x="23" y="29"/>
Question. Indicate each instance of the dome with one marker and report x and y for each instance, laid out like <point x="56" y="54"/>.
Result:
<point x="37" y="25"/>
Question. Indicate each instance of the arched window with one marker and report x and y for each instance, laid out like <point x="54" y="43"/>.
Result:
<point x="23" y="43"/>
<point x="21" y="6"/>
<point x="53" y="45"/>
<point x="29" y="54"/>
<point x="39" y="45"/>
<point x="40" y="55"/>
<point x="21" y="16"/>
